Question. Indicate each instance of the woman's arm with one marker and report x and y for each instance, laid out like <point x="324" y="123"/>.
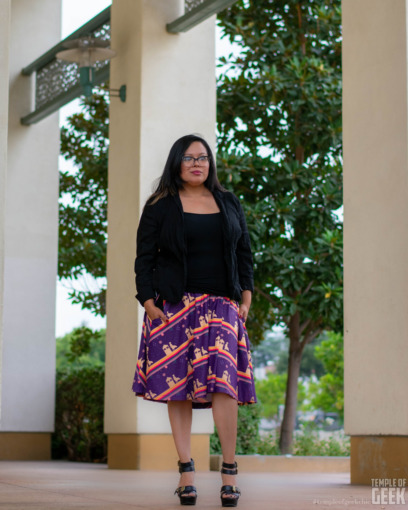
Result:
<point x="145" y="263"/>
<point x="245" y="304"/>
<point x="244" y="254"/>
<point x="146" y="254"/>
<point x="245" y="266"/>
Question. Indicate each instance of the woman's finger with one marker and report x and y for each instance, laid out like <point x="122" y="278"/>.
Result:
<point x="164" y="318"/>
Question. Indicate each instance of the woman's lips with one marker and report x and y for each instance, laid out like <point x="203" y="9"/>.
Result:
<point x="196" y="172"/>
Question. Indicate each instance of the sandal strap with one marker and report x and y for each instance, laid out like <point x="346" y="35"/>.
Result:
<point x="230" y="489"/>
<point x="186" y="489"/>
<point x="184" y="467"/>
<point x="229" y="469"/>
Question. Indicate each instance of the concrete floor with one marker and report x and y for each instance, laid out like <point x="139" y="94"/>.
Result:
<point x="63" y="485"/>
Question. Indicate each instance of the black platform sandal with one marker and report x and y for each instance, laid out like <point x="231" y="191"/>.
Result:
<point x="186" y="489"/>
<point x="227" y="490"/>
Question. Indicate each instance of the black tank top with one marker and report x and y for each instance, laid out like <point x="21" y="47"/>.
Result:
<point x="206" y="270"/>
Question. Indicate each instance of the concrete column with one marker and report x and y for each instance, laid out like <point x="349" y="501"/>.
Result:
<point x="376" y="237"/>
<point x="4" y="65"/>
<point x="29" y="235"/>
<point x="170" y="92"/>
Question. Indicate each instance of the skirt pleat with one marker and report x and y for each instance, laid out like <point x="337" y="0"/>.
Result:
<point x="203" y="349"/>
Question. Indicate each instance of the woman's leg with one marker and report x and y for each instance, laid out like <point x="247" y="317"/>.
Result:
<point x="225" y="413"/>
<point x="181" y="416"/>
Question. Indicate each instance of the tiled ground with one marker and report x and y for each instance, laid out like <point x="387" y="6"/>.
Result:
<point x="64" y="486"/>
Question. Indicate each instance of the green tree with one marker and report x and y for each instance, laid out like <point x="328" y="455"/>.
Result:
<point x="328" y="393"/>
<point x="279" y="122"/>
<point x="269" y="349"/>
<point x="271" y="392"/>
<point x="82" y="347"/>
<point x="83" y="204"/>
<point x="310" y="363"/>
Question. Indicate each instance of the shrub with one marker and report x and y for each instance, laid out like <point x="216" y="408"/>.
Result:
<point x="80" y="396"/>
<point x="79" y="415"/>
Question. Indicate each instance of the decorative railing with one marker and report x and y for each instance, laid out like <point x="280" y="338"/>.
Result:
<point x="191" y="4"/>
<point x="196" y="11"/>
<point x="57" y="81"/>
<point x="58" y="76"/>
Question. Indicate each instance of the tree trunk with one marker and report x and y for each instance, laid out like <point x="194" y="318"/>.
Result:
<point x="289" y="415"/>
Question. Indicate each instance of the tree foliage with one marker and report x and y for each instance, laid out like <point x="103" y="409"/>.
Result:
<point x="279" y="122"/>
<point x="310" y="364"/>
<point x="271" y="393"/>
<point x="328" y="392"/>
<point x="81" y="348"/>
<point x="83" y="204"/>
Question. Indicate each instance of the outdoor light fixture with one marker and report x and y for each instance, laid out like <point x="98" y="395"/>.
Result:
<point x="86" y="51"/>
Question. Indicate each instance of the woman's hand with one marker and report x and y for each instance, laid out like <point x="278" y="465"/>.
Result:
<point x="245" y="304"/>
<point x="153" y="311"/>
<point x="243" y="312"/>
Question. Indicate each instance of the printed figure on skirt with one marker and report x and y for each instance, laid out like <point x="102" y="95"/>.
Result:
<point x="194" y="277"/>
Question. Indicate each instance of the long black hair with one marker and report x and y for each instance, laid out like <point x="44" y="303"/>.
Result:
<point x="170" y="181"/>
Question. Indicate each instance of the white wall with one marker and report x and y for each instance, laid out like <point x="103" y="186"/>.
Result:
<point x="375" y="129"/>
<point x="4" y="65"/>
<point x="31" y="233"/>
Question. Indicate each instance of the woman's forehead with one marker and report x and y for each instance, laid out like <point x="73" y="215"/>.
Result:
<point x="196" y="148"/>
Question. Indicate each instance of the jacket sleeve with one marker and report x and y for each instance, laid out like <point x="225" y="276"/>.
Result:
<point x="244" y="255"/>
<point x="146" y="254"/>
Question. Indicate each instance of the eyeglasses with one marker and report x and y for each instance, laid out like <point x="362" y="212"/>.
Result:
<point x="189" y="160"/>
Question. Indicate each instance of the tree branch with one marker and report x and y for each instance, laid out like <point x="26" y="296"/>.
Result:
<point x="304" y="325"/>
<point x="267" y="297"/>
<point x="302" y="36"/>
<point x="309" y="286"/>
<point x="312" y="336"/>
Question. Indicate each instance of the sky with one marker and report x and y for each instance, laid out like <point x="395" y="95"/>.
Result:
<point x="74" y="14"/>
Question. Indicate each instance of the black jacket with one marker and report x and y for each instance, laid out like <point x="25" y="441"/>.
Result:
<point x="160" y="265"/>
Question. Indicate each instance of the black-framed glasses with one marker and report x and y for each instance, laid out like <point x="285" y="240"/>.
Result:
<point x="189" y="160"/>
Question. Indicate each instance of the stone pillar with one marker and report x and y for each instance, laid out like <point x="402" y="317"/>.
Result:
<point x="376" y="237"/>
<point x="4" y="96"/>
<point x="28" y="237"/>
<point x="171" y="92"/>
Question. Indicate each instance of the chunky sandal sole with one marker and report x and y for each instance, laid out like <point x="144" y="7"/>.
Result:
<point x="226" y="490"/>
<point x="184" y="467"/>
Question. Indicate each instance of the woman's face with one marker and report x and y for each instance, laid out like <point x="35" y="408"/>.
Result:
<point x="194" y="172"/>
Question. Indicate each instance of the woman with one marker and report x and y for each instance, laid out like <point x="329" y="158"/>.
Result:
<point x="194" y="278"/>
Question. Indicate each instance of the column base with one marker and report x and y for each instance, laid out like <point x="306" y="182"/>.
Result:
<point x="25" y="446"/>
<point x="155" y="452"/>
<point x="378" y="457"/>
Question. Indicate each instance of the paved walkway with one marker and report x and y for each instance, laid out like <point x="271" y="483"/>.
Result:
<point x="64" y="486"/>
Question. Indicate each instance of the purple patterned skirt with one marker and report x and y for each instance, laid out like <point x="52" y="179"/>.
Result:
<point x="203" y="349"/>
